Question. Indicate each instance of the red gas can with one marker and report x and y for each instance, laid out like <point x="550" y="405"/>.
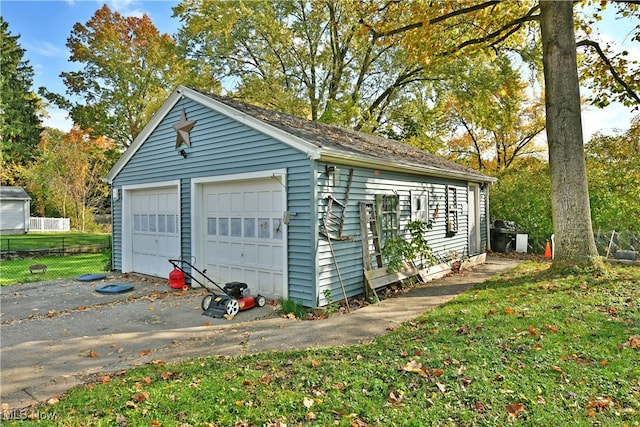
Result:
<point x="176" y="279"/>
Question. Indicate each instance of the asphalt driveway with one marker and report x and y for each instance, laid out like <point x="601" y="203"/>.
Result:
<point x="56" y="335"/>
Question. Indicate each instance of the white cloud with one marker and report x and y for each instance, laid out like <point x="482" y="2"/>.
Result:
<point x="49" y="49"/>
<point x="125" y="7"/>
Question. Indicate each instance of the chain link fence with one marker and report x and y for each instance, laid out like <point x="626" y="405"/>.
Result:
<point x="618" y="244"/>
<point x="38" y="258"/>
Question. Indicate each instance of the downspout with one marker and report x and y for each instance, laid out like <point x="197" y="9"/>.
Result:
<point x="486" y="206"/>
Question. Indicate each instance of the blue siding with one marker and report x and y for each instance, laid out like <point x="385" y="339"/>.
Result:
<point x="223" y="146"/>
<point x="366" y="184"/>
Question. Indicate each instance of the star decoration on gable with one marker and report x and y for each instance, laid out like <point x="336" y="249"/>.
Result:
<point x="183" y="127"/>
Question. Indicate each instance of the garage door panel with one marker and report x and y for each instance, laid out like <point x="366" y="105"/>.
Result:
<point x="155" y="236"/>
<point x="251" y="201"/>
<point x="245" y="233"/>
<point x="265" y="201"/>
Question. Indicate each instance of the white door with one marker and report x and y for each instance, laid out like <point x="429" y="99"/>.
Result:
<point x="244" y="234"/>
<point x="474" y="219"/>
<point x="155" y="231"/>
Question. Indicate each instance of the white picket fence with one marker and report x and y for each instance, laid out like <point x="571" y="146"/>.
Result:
<point x="49" y="224"/>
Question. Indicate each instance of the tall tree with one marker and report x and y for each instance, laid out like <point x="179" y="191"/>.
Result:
<point x="66" y="177"/>
<point x="450" y="28"/>
<point x="20" y="124"/>
<point x="572" y="226"/>
<point x="128" y="69"/>
<point x="304" y="57"/>
<point x="492" y="120"/>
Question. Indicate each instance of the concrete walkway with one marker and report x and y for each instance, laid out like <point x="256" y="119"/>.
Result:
<point x="58" y="335"/>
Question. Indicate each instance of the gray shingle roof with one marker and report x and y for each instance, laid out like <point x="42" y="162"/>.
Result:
<point x="352" y="142"/>
<point x="13" y="193"/>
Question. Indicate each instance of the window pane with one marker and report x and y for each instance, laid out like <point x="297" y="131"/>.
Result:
<point x="152" y="223"/>
<point x="162" y="223"/>
<point x="224" y="226"/>
<point x="211" y="226"/>
<point x="172" y="223"/>
<point x="277" y="228"/>
<point x="250" y="227"/>
<point x="236" y="227"/>
<point x="264" y="231"/>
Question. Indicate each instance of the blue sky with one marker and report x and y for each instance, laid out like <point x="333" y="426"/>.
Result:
<point x="45" y="25"/>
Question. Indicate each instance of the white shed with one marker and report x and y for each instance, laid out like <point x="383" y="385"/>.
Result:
<point x="15" y="209"/>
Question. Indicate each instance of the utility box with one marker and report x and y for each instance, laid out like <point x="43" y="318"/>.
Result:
<point x="522" y="242"/>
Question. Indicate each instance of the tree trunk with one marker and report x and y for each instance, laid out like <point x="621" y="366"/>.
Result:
<point x="574" y="241"/>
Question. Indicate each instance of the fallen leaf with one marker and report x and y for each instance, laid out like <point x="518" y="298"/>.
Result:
<point x="144" y="352"/>
<point x="479" y="407"/>
<point x="514" y="409"/>
<point x="147" y="380"/>
<point x="394" y="399"/>
<point x="141" y="396"/>
<point x="307" y="402"/>
<point x="266" y="379"/>
<point x="600" y="404"/>
<point x="92" y="354"/>
<point x="552" y="328"/>
<point x="532" y="331"/>
<point x="509" y="310"/>
<point x="315" y="363"/>
<point x="166" y="375"/>
<point x="414" y="367"/>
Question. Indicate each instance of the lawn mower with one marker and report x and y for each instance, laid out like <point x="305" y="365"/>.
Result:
<point x="235" y="296"/>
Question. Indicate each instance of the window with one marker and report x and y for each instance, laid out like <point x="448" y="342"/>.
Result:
<point x="419" y="205"/>
<point x="250" y="227"/>
<point x="236" y="227"/>
<point x="388" y="213"/>
<point x="212" y="226"/>
<point x="451" y="205"/>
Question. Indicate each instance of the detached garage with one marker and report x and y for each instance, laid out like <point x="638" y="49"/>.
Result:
<point x="15" y="209"/>
<point x="244" y="193"/>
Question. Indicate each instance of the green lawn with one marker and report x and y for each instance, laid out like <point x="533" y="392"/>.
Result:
<point x="527" y="348"/>
<point x="58" y="267"/>
<point x="14" y="271"/>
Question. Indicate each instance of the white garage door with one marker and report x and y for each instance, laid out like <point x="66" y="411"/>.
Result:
<point x="155" y="230"/>
<point x="244" y="238"/>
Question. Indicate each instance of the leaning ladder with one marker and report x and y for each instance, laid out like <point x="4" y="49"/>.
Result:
<point x="371" y="251"/>
<point x="334" y="215"/>
<point x="333" y="224"/>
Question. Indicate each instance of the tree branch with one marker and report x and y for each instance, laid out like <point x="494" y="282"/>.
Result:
<point x="611" y="68"/>
<point x="497" y="36"/>
<point x="435" y="20"/>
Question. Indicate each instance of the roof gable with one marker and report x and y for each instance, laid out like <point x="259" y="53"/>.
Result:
<point x="13" y="193"/>
<point x="317" y="140"/>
